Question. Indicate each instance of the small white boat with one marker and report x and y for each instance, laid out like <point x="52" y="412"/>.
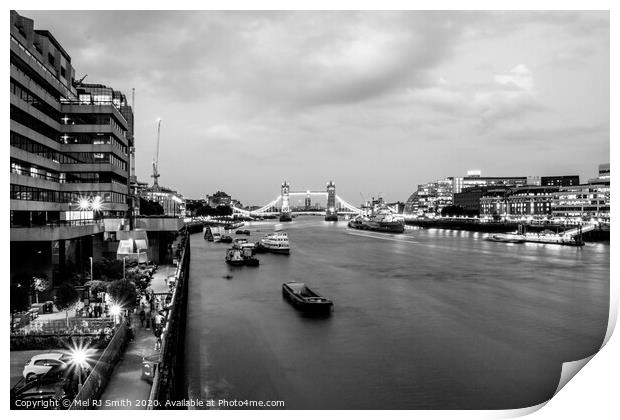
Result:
<point x="513" y="238"/>
<point x="276" y="242"/>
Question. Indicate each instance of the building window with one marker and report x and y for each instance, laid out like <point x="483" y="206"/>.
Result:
<point x="50" y="59"/>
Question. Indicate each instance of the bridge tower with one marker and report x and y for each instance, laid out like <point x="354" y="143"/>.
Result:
<point x="285" y="212"/>
<point x="331" y="213"/>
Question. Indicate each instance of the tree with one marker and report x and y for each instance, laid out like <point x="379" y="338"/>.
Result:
<point x="150" y="208"/>
<point x="40" y="284"/>
<point x="66" y="297"/>
<point x="97" y="286"/>
<point x="140" y="278"/>
<point x="19" y="297"/>
<point x="108" y="269"/>
<point x="123" y="292"/>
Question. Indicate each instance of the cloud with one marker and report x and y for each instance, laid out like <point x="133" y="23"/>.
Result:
<point x="316" y="95"/>
<point x="509" y="95"/>
<point x="520" y="77"/>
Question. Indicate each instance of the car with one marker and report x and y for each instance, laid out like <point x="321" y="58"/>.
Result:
<point x="42" y="363"/>
<point x="50" y="390"/>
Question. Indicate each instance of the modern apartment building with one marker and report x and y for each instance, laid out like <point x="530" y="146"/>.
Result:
<point x="430" y="198"/>
<point x="560" y="181"/>
<point x="69" y="154"/>
<point x="475" y="179"/>
<point x="585" y="202"/>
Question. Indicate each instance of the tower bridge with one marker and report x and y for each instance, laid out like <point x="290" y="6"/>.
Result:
<point x="281" y="204"/>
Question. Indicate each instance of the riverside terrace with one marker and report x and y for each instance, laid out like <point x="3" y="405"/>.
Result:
<point x="103" y="342"/>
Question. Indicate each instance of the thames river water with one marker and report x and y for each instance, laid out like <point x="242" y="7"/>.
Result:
<point x="430" y="319"/>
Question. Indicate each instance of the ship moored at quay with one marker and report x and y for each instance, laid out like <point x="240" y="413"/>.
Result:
<point x="379" y="217"/>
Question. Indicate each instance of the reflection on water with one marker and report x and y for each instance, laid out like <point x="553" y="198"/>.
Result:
<point x="427" y="319"/>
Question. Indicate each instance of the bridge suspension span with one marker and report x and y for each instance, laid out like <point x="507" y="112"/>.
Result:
<point x="336" y="205"/>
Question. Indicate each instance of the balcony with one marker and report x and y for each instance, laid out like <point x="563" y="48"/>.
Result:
<point x="159" y="224"/>
<point x="55" y="231"/>
<point x="98" y="107"/>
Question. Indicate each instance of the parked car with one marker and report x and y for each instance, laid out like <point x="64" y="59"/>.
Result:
<point x="42" y="363"/>
<point x="49" y="387"/>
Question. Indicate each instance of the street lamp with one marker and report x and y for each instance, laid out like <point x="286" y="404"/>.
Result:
<point x="115" y="311"/>
<point x="79" y="359"/>
<point x="91" y="268"/>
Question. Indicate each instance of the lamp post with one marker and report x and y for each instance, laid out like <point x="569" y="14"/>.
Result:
<point x="79" y="359"/>
<point x="124" y="268"/>
<point x="91" y="268"/>
<point x="115" y="311"/>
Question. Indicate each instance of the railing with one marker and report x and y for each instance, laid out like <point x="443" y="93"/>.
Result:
<point x="79" y="326"/>
<point x="98" y="379"/>
<point x="61" y="223"/>
<point x="169" y="377"/>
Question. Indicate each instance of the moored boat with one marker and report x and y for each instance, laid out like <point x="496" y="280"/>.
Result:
<point x="239" y="256"/>
<point x="513" y="238"/>
<point x="550" y="237"/>
<point x="226" y="239"/>
<point x="379" y="217"/>
<point x="304" y="298"/>
<point x="208" y="234"/>
<point x="276" y="242"/>
<point x="234" y="257"/>
<point x="544" y="237"/>
<point x="233" y="225"/>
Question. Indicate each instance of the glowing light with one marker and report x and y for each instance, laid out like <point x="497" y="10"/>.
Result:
<point x="97" y="203"/>
<point x="83" y="203"/>
<point x="115" y="310"/>
<point x="79" y="357"/>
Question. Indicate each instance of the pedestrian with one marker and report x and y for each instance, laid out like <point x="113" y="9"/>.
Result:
<point x="159" y="320"/>
<point x="142" y="317"/>
<point x="147" y="315"/>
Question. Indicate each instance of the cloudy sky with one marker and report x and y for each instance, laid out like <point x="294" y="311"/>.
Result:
<point x="377" y="101"/>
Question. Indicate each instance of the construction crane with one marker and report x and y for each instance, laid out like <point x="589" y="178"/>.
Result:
<point x="155" y="175"/>
<point x="79" y="82"/>
<point x="364" y="202"/>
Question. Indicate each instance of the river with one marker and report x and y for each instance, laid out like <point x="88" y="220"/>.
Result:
<point x="429" y="319"/>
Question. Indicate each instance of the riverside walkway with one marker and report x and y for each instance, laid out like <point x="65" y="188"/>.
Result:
<point x="126" y="385"/>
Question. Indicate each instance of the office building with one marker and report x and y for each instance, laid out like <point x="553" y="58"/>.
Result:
<point x="475" y="179"/>
<point x="559" y="181"/>
<point x="589" y="202"/>
<point x="69" y="155"/>
<point x="430" y="198"/>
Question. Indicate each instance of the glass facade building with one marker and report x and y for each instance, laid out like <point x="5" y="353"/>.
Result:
<point x="69" y="147"/>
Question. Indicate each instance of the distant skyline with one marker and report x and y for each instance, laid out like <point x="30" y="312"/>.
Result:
<point x="378" y="102"/>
